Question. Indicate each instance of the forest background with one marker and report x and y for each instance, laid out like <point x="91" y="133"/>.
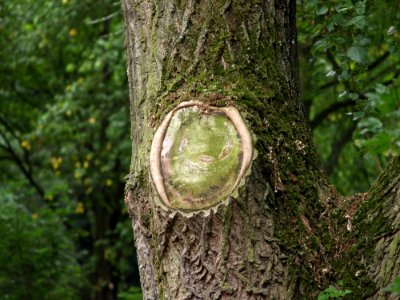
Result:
<point x="65" y="145"/>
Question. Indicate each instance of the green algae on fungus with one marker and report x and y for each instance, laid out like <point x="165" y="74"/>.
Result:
<point x="199" y="155"/>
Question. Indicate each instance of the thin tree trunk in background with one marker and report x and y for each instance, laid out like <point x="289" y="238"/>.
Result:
<point x="283" y="236"/>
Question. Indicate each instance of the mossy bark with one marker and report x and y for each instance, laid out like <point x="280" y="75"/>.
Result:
<point x="371" y="257"/>
<point x="279" y="238"/>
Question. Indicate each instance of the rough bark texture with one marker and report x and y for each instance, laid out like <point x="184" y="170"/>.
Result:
<point x="382" y="214"/>
<point x="371" y="259"/>
<point x="282" y="237"/>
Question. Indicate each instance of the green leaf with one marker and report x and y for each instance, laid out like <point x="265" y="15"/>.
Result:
<point x="357" y="115"/>
<point x="357" y="53"/>
<point x="360" y="7"/>
<point x="342" y="7"/>
<point x="378" y="144"/>
<point x="358" y="22"/>
<point x="394" y="287"/>
<point x="320" y="46"/>
<point x="354" y="96"/>
<point x="321" y="10"/>
<point x="370" y="124"/>
<point x="339" y="19"/>
<point x="332" y="292"/>
<point x="134" y="293"/>
<point x="344" y="76"/>
<point x="381" y="89"/>
<point x="70" y="68"/>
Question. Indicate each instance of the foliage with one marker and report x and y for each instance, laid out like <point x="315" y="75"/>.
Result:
<point x="333" y="293"/>
<point x="350" y="79"/>
<point x="394" y="287"/>
<point x="38" y="260"/>
<point x="63" y="136"/>
<point x="134" y="293"/>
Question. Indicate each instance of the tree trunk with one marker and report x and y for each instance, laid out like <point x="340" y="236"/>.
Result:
<point x="282" y="235"/>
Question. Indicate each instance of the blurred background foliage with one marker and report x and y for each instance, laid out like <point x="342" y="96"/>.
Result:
<point x="64" y="151"/>
<point x="64" y="132"/>
<point x="349" y="73"/>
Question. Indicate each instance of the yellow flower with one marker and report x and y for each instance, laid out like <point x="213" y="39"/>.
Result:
<point x="91" y="120"/>
<point x="86" y="164"/>
<point x="79" y="209"/>
<point x="35" y="216"/>
<point x="65" y="1"/>
<point x="109" y="182"/>
<point x="26" y="145"/>
<point x="72" y="32"/>
<point x="56" y="161"/>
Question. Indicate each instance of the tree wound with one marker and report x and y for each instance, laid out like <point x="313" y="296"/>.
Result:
<point x="199" y="155"/>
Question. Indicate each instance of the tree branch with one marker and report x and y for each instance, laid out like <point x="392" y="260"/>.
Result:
<point x="337" y="68"/>
<point x="25" y="171"/>
<point x="378" y="61"/>
<point x="337" y="147"/>
<point x="380" y="234"/>
<point x="318" y="119"/>
<point x="9" y="128"/>
<point x="327" y="111"/>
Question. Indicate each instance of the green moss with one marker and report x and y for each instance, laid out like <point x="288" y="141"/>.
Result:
<point x="250" y="252"/>
<point x="145" y="219"/>
<point x="315" y="242"/>
<point x="393" y="248"/>
<point x="135" y="180"/>
<point x="371" y="223"/>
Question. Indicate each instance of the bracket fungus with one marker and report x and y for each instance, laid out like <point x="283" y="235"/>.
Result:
<point x="199" y="155"/>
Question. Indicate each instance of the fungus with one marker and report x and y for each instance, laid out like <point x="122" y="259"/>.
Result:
<point x="199" y="155"/>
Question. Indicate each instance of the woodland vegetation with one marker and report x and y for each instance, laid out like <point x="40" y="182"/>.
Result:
<point x="65" y="145"/>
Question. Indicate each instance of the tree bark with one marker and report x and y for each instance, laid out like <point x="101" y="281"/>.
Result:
<point x="283" y="236"/>
<point x="371" y="257"/>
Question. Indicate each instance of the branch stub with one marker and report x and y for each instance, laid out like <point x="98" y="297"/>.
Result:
<point x="199" y="155"/>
